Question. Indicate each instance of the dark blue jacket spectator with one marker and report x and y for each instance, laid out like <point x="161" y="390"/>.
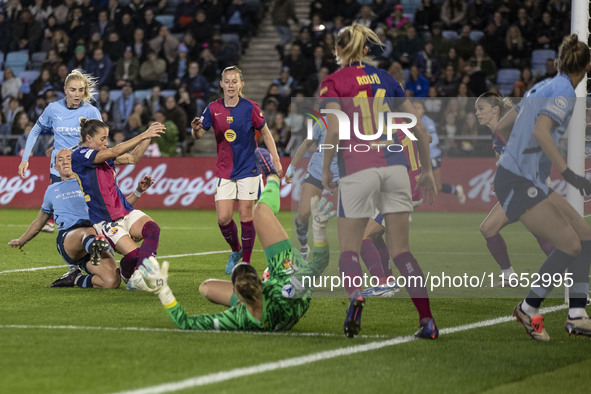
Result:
<point x="101" y="67"/>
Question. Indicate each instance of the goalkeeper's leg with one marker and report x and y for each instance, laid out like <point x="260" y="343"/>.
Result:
<point x="266" y="225"/>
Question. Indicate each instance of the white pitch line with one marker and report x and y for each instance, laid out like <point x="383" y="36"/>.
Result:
<point x="176" y="330"/>
<point x="33" y="269"/>
<point x="223" y="376"/>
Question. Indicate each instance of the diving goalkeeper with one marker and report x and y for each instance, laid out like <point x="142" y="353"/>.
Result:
<point x="274" y="305"/>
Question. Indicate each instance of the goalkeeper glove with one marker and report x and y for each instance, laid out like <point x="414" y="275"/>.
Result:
<point x="577" y="181"/>
<point x="290" y="171"/>
<point x="156" y="279"/>
<point x="321" y="213"/>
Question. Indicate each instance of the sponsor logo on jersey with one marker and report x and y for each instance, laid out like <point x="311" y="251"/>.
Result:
<point x="230" y="135"/>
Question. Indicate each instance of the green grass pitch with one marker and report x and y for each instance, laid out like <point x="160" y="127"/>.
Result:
<point x="77" y="340"/>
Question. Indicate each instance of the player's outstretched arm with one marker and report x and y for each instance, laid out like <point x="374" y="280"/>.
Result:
<point x="304" y="147"/>
<point x="505" y="125"/>
<point x="31" y="139"/>
<point x="119" y="151"/>
<point x="197" y="129"/>
<point x="154" y="131"/>
<point x="142" y="186"/>
<point x="32" y="231"/>
<point x="272" y="148"/>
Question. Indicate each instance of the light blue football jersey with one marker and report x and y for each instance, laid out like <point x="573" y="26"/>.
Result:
<point x="432" y="129"/>
<point x="315" y="164"/>
<point x="64" y="123"/>
<point x="523" y="155"/>
<point x="66" y="202"/>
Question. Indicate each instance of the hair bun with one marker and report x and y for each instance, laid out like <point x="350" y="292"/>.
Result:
<point x="82" y="120"/>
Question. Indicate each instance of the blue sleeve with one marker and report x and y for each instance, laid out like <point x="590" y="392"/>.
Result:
<point x="430" y="126"/>
<point x="93" y="113"/>
<point x="43" y="123"/>
<point x="47" y="206"/>
<point x="557" y="108"/>
<point x="206" y="118"/>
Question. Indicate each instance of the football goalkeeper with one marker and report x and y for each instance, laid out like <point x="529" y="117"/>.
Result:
<point x="274" y="305"/>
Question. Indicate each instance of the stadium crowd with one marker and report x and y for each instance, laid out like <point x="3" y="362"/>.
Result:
<point x="160" y="60"/>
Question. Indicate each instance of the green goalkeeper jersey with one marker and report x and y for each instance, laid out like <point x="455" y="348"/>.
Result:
<point x="281" y="310"/>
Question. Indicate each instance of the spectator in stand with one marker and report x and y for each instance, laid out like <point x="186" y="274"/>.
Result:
<point x="516" y="52"/>
<point x="282" y="12"/>
<point x="77" y="28"/>
<point x="426" y="14"/>
<point x="448" y="84"/>
<point x="366" y="17"/>
<point x="114" y="47"/>
<point x="464" y="44"/>
<point x="397" y="23"/>
<point x="101" y="67"/>
<point x="40" y="147"/>
<point x="407" y="47"/>
<point x="492" y="41"/>
<point x="102" y="26"/>
<point x="141" y="110"/>
<point x="482" y="62"/>
<point x="378" y="52"/>
<point x="52" y="62"/>
<point x="324" y="8"/>
<point x="193" y="49"/>
<point x="550" y="70"/>
<point x="104" y="102"/>
<point x="139" y="46"/>
<point x="26" y="33"/>
<point x="187" y="104"/>
<point x="154" y="102"/>
<point x="469" y="129"/>
<point x="127" y="69"/>
<point x="319" y="58"/>
<point x="137" y="8"/>
<point x="281" y="135"/>
<point x="183" y="15"/>
<point x="115" y="11"/>
<point x="208" y="64"/>
<point x="5" y="32"/>
<point x="62" y="11"/>
<point x="133" y="126"/>
<point x="440" y="43"/>
<point x="428" y="63"/>
<point x="175" y="113"/>
<point x="454" y="59"/>
<point x="500" y="23"/>
<point x="6" y="145"/>
<point x="381" y="9"/>
<point x="270" y="109"/>
<point x="167" y="143"/>
<point x="453" y="14"/>
<point x="126" y="28"/>
<point x="298" y="65"/>
<point x="348" y="10"/>
<point x="313" y="82"/>
<point x="152" y="71"/>
<point x="123" y="106"/>
<point x="60" y="42"/>
<point x="518" y="89"/>
<point x="165" y="45"/>
<point x="201" y="28"/>
<point x="214" y="9"/>
<point x="226" y="54"/>
<point x="149" y="24"/>
<point x="21" y="120"/>
<point x="526" y="25"/>
<point x="527" y="78"/>
<point x="318" y="28"/>
<point x="477" y="14"/>
<point x="417" y="83"/>
<point x="548" y="35"/>
<point x="287" y="84"/>
<point x="305" y="41"/>
<point x="397" y="72"/>
<point x="36" y="110"/>
<point x="10" y="86"/>
<point x="79" y="60"/>
<point x="196" y="83"/>
<point x="238" y="20"/>
<point x="474" y="79"/>
<point x="42" y="83"/>
<point x="178" y="68"/>
<point x="13" y="109"/>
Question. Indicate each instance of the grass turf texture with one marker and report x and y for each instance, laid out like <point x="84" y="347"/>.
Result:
<point x="500" y="358"/>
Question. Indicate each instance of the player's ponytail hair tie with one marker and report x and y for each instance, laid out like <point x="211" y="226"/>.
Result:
<point x="89" y="127"/>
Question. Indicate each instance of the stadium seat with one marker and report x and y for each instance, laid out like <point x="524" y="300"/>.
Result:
<point x="30" y="75"/>
<point x="538" y="60"/>
<point x="166" y="20"/>
<point x="114" y="94"/>
<point x="168" y="93"/>
<point x="171" y="6"/>
<point x="15" y="69"/>
<point x="506" y="78"/>
<point x="410" y="6"/>
<point x="17" y="59"/>
<point x="37" y="59"/>
<point x="450" y="35"/>
<point x="141" y="94"/>
<point x="476" y="35"/>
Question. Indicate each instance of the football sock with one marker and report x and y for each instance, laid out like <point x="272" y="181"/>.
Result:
<point x="546" y="246"/>
<point x="408" y="266"/>
<point x="384" y="253"/>
<point x="507" y="272"/>
<point x="230" y="233"/>
<point x="580" y="276"/>
<point x="151" y="235"/>
<point x="529" y="310"/>
<point x="84" y="281"/>
<point x="270" y="194"/>
<point x="350" y="268"/>
<point x="498" y="248"/>
<point x="372" y="259"/>
<point x="555" y="263"/>
<point x="576" y="313"/>
<point x="248" y="237"/>
<point x="448" y="189"/>
<point x="87" y="243"/>
<point x="302" y="231"/>
<point x="128" y="263"/>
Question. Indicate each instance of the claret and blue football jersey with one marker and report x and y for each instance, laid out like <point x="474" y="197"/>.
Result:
<point x="234" y="129"/>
